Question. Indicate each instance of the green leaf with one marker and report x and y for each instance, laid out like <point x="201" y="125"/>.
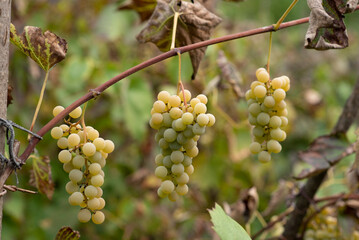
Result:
<point x="46" y="49"/>
<point x="67" y="233"/>
<point x="225" y="226"/>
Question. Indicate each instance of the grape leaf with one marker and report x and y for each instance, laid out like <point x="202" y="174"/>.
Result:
<point x="41" y="177"/>
<point x="67" y="233"/>
<point x="46" y="49"/>
<point x="323" y="153"/>
<point x="195" y="24"/>
<point x="326" y="26"/>
<point x="225" y="226"/>
<point x="144" y="8"/>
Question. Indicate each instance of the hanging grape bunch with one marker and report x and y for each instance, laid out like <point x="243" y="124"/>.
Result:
<point x="84" y="155"/>
<point x="267" y="113"/>
<point x="180" y="122"/>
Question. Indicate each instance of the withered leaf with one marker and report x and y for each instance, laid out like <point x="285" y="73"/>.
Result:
<point x="67" y="233"/>
<point x="46" y="49"/>
<point x="144" y="8"/>
<point x="9" y="95"/>
<point x="195" y="24"/>
<point x="323" y="153"/>
<point x="326" y="26"/>
<point x="41" y="176"/>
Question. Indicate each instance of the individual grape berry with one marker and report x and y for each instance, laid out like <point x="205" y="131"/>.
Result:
<point x="109" y="146"/>
<point x="98" y="217"/>
<point x="161" y="172"/>
<point x="57" y="110"/>
<point x="76" y="198"/>
<point x="62" y="143"/>
<point x="91" y="191"/>
<point x="97" y="180"/>
<point x="75" y="175"/>
<point x="65" y="156"/>
<point x="84" y="215"/>
<point x="264" y="156"/>
<point x="73" y="140"/>
<point x="260" y="91"/>
<point x="163" y="96"/>
<point x="56" y="133"/>
<point x="167" y="186"/>
<point x="76" y="113"/>
<point x="89" y="149"/>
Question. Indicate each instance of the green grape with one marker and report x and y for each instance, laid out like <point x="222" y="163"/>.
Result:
<point x="279" y="95"/>
<point x="189" y="144"/>
<point x="193" y="152"/>
<point x="188" y="133"/>
<point x="174" y="101"/>
<point x="78" y="161"/>
<point x="160" y="193"/>
<point x="93" y="134"/>
<point x="183" y="178"/>
<point x="97" y="180"/>
<point x="281" y="105"/>
<point x="187" y="95"/>
<point x="264" y="156"/>
<point x="166" y="152"/>
<point x="283" y="112"/>
<point x="159" y="107"/>
<point x="178" y="125"/>
<point x="212" y="120"/>
<point x="75" y="175"/>
<point x="255" y="148"/>
<point x="274" y="146"/>
<point x="163" y="96"/>
<point x="99" y="193"/>
<point x="263" y="118"/>
<point x="98" y="217"/>
<point x="269" y="101"/>
<point x="94" y="168"/>
<point x="175" y="146"/>
<point x="275" y="122"/>
<point x="252" y="119"/>
<point x="187" y="118"/>
<point x="73" y="140"/>
<point x="284" y="121"/>
<point x="258" y="131"/>
<point x="260" y="91"/>
<point x="189" y="170"/>
<point x="181" y="139"/>
<point x="167" y="120"/>
<point x="57" y="110"/>
<point x="167" y="186"/>
<point x="173" y="196"/>
<point x="64" y="156"/>
<point x="99" y="143"/>
<point x="277" y="134"/>
<point x="200" y="108"/>
<point x="276" y="83"/>
<point x="102" y="203"/>
<point x="202" y="119"/>
<point x="177" y="157"/>
<point x="265" y="109"/>
<point x="249" y="95"/>
<point x="177" y="169"/>
<point x="109" y="146"/>
<point x="71" y="187"/>
<point x="158" y="159"/>
<point x="263" y="76"/>
<point x="62" y="143"/>
<point x="91" y="191"/>
<point x="56" y="132"/>
<point x="187" y="160"/>
<point x="182" y="189"/>
<point x="84" y="215"/>
<point x="203" y="98"/>
<point x="254" y="109"/>
<point x="198" y="130"/>
<point x="254" y="84"/>
<point x="163" y="143"/>
<point x="76" y="113"/>
<point x="89" y="149"/>
<point x="68" y="167"/>
<point x="167" y="162"/>
<point x="157" y="118"/>
<point x="161" y="172"/>
<point x="76" y="198"/>
<point x="93" y="204"/>
<point x="97" y="157"/>
<point x="170" y="135"/>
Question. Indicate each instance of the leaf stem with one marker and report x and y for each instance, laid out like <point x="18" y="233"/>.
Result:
<point x="39" y="102"/>
<point x="175" y="21"/>
<point x="276" y="26"/>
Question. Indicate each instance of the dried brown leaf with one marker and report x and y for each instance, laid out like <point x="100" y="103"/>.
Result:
<point x="195" y="24"/>
<point x="46" y="49"/>
<point x="323" y="153"/>
<point x="67" y="233"/>
<point x="41" y="176"/>
<point x="144" y="8"/>
<point x="326" y="26"/>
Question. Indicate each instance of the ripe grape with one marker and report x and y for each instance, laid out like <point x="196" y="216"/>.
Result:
<point x="98" y="217"/>
<point x="89" y="149"/>
<point x="57" y="110"/>
<point x="56" y="132"/>
<point x="65" y="156"/>
<point x="76" y="113"/>
<point x="84" y="215"/>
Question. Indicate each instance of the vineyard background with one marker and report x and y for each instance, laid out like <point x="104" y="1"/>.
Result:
<point x="102" y="43"/>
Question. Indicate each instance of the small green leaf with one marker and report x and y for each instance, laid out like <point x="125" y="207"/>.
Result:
<point x="67" y="233"/>
<point x="225" y="226"/>
<point x="46" y="49"/>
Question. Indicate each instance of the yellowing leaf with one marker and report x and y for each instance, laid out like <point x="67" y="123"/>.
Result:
<point x="144" y="8"/>
<point x="195" y="24"/>
<point x="41" y="177"/>
<point x="46" y="49"/>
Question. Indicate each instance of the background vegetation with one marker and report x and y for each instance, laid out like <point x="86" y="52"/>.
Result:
<point x="102" y="44"/>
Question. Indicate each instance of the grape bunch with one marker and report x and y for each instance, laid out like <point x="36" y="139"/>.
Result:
<point x="84" y="155"/>
<point x="180" y="122"/>
<point x="267" y="113"/>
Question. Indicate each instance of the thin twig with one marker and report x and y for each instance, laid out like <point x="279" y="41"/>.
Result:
<point x="13" y="188"/>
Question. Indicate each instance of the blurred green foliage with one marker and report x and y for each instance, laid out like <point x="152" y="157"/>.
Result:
<point x="102" y="44"/>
